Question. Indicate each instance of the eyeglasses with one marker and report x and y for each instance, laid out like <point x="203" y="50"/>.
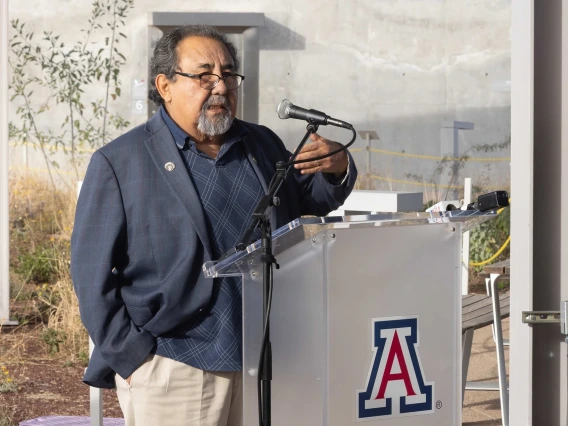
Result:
<point x="209" y="81"/>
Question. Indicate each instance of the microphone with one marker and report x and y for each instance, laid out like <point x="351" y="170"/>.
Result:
<point x="287" y="109"/>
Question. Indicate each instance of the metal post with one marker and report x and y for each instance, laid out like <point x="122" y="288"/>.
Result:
<point x="467" y="340"/>
<point x="465" y="241"/>
<point x="95" y="398"/>
<point x="266" y="373"/>
<point x="368" y="137"/>
<point x="502" y="370"/>
<point x="4" y="164"/>
<point x="455" y="127"/>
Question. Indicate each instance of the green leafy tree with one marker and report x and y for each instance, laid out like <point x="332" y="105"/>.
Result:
<point x="59" y="74"/>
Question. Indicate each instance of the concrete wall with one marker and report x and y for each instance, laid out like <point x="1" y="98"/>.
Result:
<point x="403" y="68"/>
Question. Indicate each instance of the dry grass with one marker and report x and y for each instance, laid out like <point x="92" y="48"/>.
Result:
<point x="364" y="181"/>
<point x="42" y="296"/>
<point x="6" y="418"/>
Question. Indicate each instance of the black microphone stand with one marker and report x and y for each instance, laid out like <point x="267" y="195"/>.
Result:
<point x="261" y="216"/>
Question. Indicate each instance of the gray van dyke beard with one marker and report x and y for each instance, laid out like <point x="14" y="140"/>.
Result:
<point x="219" y="124"/>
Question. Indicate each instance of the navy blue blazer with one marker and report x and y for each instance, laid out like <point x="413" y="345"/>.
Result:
<point x="140" y="239"/>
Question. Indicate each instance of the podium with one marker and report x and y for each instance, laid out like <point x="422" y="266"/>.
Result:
<point x="365" y="320"/>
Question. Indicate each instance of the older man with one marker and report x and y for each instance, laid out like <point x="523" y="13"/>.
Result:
<point x="157" y="203"/>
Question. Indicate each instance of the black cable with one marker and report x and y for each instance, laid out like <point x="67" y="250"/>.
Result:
<point x="321" y="157"/>
<point x="263" y="350"/>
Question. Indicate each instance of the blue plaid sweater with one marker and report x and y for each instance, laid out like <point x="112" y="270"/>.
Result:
<point x="229" y="190"/>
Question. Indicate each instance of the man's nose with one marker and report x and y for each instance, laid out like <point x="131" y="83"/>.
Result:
<point x="220" y="88"/>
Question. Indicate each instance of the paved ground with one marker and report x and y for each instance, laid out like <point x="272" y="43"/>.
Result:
<point x="483" y="408"/>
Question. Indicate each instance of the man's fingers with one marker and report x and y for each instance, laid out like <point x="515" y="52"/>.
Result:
<point x="315" y="137"/>
<point x="310" y="151"/>
<point x="309" y="164"/>
<point x="311" y="170"/>
<point x="315" y="145"/>
<point x="312" y="166"/>
<point x="306" y="156"/>
<point x="320" y="147"/>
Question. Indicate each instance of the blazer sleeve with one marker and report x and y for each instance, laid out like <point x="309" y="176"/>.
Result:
<point x="98" y="245"/>
<point x="320" y="194"/>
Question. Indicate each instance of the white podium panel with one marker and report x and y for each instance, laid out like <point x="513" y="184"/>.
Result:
<point x="365" y="323"/>
<point x="394" y="326"/>
<point x="297" y="332"/>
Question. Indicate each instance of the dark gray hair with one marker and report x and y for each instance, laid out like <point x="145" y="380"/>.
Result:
<point x="165" y="58"/>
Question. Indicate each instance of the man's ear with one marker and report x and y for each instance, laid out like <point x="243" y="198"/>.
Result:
<point x="164" y="87"/>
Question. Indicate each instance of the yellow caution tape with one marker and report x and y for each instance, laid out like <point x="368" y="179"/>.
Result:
<point x="431" y="157"/>
<point x="51" y="147"/>
<point x="33" y="169"/>
<point x="431" y="185"/>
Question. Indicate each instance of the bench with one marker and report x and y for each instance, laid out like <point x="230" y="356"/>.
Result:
<point x="477" y="310"/>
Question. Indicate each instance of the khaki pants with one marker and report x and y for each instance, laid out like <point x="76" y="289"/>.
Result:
<point x="163" y="392"/>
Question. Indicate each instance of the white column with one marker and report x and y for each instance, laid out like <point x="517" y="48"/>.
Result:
<point x="522" y="170"/>
<point x="368" y="135"/>
<point x="465" y="241"/>
<point x="4" y="237"/>
<point x="449" y="139"/>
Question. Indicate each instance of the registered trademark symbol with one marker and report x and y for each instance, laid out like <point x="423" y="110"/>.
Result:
<point x="438" y="404"/>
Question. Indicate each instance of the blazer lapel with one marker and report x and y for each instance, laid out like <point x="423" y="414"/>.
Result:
<point x="163" y="150"/>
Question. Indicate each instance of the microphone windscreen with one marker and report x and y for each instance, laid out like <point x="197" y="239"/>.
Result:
<point x="283" y="109"/>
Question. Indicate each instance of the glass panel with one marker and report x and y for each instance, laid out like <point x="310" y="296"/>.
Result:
<point x="304" y="228"/>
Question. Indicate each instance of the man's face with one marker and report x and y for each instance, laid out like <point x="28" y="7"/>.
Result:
<point x="192" y="107"/>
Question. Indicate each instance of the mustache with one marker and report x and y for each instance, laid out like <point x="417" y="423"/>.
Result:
<point x="217" y="100"/>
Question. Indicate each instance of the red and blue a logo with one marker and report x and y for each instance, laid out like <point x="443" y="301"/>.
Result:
<point x="396" y="386"/>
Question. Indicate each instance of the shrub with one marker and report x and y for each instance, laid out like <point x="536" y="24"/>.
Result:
<point x="53" y="338"/>
<point x="7" y="384"/>
<point x="39" y="266"/>
<point x="41" y="219"/>
<point x="40" y="224"/>
<point x="486" y="239"/>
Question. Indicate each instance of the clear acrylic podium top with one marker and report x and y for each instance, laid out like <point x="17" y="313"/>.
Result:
<point x="306" y="227"/>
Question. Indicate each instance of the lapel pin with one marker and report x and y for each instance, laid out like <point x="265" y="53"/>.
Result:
<point x="254" y="160"/>
<point x="169" y="166"/>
